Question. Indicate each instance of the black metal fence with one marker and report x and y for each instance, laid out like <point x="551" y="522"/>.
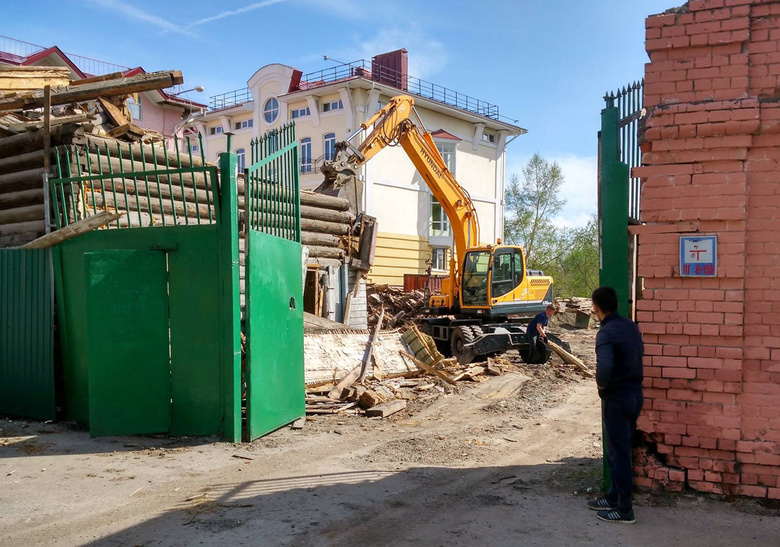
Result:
<point x="630" y="103"/>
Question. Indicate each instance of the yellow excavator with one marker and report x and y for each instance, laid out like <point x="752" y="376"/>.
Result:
<point x="489" y="291"/>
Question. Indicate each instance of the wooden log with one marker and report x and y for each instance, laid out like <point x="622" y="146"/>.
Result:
<point x="149" y="205"/>
<point x="324" y="252"/>
<point x="60" y="120"/>
<point x="22" y="214"/>
<point x="369" y="399"/>
<point x="107" y="164"/>
<point x="21" y="198"/>
<point x="20" y="162"/>
<point x="322" y="227"/>
<point x="22" y="228"/>
<point x="15" y="240"/>
<point x="22" y="180"/>
<point x="327" y="202"/>
<point x="23" y="142"/>
<point x="428" y="368"/>
<point x="326" y="215"/>
<point x="324" y="240"/>
<point x="103" y="78"/>
<point x="386" y="409"/>
<point x="138" y="152"/>
<point x="73" y="230"/>
<point x="107" y="88"/>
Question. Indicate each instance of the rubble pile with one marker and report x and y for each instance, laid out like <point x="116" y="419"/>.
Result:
<point x="401" y="308"/>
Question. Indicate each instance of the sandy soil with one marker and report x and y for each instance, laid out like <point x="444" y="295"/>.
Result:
<point x="507" y="461"/>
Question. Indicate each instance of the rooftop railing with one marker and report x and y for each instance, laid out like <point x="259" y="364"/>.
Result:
<point x="88" y="65"/>
<point x="231" y="98"/>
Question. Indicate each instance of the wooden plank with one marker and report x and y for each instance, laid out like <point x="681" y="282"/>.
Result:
<point x="386" y="409"/>
<point x="59" y="120"/>
<point x="345" y="382"/>
<point x="428" y="368"/>
<point x="369" y="352"/>
<point x="90" y="91"/>
<point x="73" y="230"/>
<point x="569" y="358"/>
<point x="113" y="111"/>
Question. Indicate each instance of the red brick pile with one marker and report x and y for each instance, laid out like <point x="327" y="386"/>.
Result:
<point x="712" y="165"/>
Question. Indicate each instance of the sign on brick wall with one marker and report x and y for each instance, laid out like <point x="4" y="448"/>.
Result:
<point x="698" y="256"/>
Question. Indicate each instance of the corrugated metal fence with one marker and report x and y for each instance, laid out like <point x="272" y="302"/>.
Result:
<point x="27" y="333"/>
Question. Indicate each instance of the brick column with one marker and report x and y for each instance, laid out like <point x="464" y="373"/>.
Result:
<point x="712" y="413"/>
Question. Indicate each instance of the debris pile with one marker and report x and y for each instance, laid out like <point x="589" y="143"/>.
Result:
<point x="41" y="111"/>
<point x="369" y="391"/>
<point x="401" y="308"/>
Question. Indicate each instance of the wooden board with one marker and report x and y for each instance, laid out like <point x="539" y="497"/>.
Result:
<point x="30" y="78"/>
<point x="386" y="409"/>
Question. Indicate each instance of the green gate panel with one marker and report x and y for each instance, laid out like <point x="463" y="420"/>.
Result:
<point x="274" y="310"/>
<point x="26" y="334"/>
<point x="127" y="353"/>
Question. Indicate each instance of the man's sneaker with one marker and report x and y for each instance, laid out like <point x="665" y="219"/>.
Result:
<point x="601" y="504"/>
<point x="617" y="516"/>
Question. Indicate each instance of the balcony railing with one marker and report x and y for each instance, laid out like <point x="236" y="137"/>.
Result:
<point x="409" y="84"/>
<point x="231" y="98"/>
<point x="87" y="65"/>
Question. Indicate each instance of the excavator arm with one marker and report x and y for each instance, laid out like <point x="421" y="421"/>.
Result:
<point x="398" y="123"/>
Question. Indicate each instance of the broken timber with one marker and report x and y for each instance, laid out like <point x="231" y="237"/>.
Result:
<point x="569" y="358"/>
<point x="73" y="230"/>
<point x="428" y="368"/>
<point x="85" y="92"/>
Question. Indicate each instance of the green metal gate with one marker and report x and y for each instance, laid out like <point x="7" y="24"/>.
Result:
<point x="27" y="376"/>
<point x="274" y="285"/>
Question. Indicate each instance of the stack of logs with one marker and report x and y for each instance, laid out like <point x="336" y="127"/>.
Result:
<point x="401" y="308"/>
<point x="326" y="225"/>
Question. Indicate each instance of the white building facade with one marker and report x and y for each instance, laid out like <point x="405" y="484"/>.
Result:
<point x="329" y="105"/>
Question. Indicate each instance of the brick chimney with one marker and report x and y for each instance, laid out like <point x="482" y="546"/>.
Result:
<point x="391" y="68"/>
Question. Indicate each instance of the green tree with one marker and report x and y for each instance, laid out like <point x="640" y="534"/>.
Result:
<point x="530" y="206"/>
<point x="570" y="256"/>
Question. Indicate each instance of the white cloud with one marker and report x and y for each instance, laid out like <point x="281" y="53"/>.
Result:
<point x="579" y="187"/>
<point x="426" y="56"/>
<point x="237" y="11"/>
<point x="143" y="16"/>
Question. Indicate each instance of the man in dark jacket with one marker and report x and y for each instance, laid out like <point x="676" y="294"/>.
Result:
<point x="537" y="337"/>
<point x="619" y="351"/>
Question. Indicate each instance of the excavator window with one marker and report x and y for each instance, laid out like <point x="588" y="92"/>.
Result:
<point x="475" y="274"/>
<point x="503" y="278"/>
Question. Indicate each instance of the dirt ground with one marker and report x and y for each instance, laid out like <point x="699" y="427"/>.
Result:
<point x="507" y="461"/>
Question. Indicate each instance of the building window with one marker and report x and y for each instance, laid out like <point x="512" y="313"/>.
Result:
<point x="216" y="130"/>
<point x="271" y="110"/>
<point x="244" y="124"/>
<point x="439" y="258"/>
<point x="241" y="153"/>
<point x="488" y="137"/>
<point x="194" y="148"/>
<point x="134" y="107"/>
<point x="333" y="105"/>
<point x="306" y="163"/>
<point x="300" y="112"/>
<point x="440" y="224"/>
<point x="447" y="151"/>
<point x="330" y="146"/>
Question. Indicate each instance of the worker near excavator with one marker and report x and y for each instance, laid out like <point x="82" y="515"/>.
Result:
<point x="619" y="351"/>
<point x="537" y="337"/>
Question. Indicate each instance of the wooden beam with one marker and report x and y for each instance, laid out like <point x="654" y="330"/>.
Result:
<point x="76" y="229"/>
<point x="327" y="202"/>
<point x="369" y="352"/>
<point x="30" y="78"/>
<point x="113" y="111"/>
<point x="386" y="409"/>
<point x="569" y="358"/>
<point x="326" y="215"/>
<point x="322" y="227"/>
<point x="90" y="91"/>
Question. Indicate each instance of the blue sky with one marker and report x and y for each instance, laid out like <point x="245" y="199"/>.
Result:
<point x="546" y="63"/>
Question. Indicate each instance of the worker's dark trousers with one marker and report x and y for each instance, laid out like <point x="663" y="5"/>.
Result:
<point x="620" y="411"/>
<point x="534" y="348"/>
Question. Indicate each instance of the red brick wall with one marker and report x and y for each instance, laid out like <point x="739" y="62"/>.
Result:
<point x="712" y="164"/>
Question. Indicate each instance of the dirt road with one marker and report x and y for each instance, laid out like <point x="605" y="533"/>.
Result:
<point x="505" y="462"/>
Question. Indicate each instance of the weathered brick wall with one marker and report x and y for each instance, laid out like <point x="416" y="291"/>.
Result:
<point x="712" y="165"/>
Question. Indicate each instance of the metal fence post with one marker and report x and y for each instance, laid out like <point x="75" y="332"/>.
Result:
<point x="230" y="303"/>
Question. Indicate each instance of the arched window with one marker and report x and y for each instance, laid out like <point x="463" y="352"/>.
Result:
<point x="271" y="110"/>
<point x="306" y="162"/>
<point x="330" y="146"/>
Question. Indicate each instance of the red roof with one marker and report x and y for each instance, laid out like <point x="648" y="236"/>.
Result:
<point x="442" y="134"/>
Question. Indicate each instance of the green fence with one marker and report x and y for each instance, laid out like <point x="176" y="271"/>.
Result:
<point x="27" y="376"/>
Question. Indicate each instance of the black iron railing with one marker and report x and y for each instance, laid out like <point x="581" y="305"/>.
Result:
<point x="231" y="98"/>
<point x="629" y="100"/>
